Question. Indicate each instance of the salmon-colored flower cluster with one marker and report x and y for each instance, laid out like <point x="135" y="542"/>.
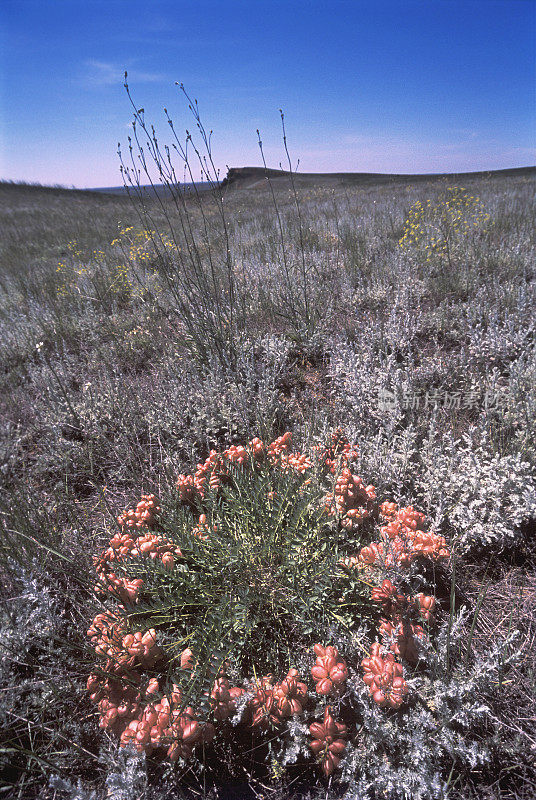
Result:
<point x="384" y="677"/>
<point x="167" y="723"/>
<point x="215" y="469"/>
<point x="123" y="546"/>
<point x="272" y="704"/>
<point x="135" y="541"/>
<point x="144" y="515"/>
<point x="123" y="650"/>
<point x="278" y="453"/>
<point x="383" y="674"/>
<point x="350" y="562"/>
<point x="192" y="488"/>
<point x="395" y="604"/>
<point x="223" y="698"/>
<point x="157" y="548"/>
<point x="329" y="671"/>
<point x="203" y="530"/>
<point x="105" y="633"/>
<point x="329" y="742"/>
<point x="122" y="704"/>
<point x="403" y="539"/>
<point x="123" y="588"/>
<point x="142" y="647"/>
<point x="120" y="547"/>
<point x="187" y="659"/>
<point x="290" y="695"/>
<point x="117" y="701"/>
<point x="137" y="715"/>
<point x="279" y="447"/>
<point x="403" y="636"/>
<point x="400" y="627"/>
<point x="164" y="724"/>
<point x="351" y="500"/>
<point x="425" y="605"/>
<point x="338" y="454"/>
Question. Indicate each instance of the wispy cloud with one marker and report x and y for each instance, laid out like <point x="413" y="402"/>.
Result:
<point x="106" y="73"/>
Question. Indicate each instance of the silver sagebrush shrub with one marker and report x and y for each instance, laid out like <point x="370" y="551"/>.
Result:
<point x="484" y="498"/>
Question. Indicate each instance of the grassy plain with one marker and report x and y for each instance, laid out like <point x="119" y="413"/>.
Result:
<point x="134" y="338"/>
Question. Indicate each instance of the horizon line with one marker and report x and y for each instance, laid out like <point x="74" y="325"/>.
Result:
<point x="268" y="170"/>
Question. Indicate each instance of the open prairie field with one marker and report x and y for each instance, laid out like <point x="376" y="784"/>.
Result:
<point x="166" y="347"/>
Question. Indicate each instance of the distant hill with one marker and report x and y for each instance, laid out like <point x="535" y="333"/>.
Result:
<point x="160" y="190"/>
<point x="23" y="188"/>
<point x="253" y="177"/>
<point x="111" y="192"/>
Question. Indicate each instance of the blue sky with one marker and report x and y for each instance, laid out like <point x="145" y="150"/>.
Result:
<point x="366" y="85"/>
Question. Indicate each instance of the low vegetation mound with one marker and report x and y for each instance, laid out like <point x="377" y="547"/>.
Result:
<point x="215" y="599"/>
